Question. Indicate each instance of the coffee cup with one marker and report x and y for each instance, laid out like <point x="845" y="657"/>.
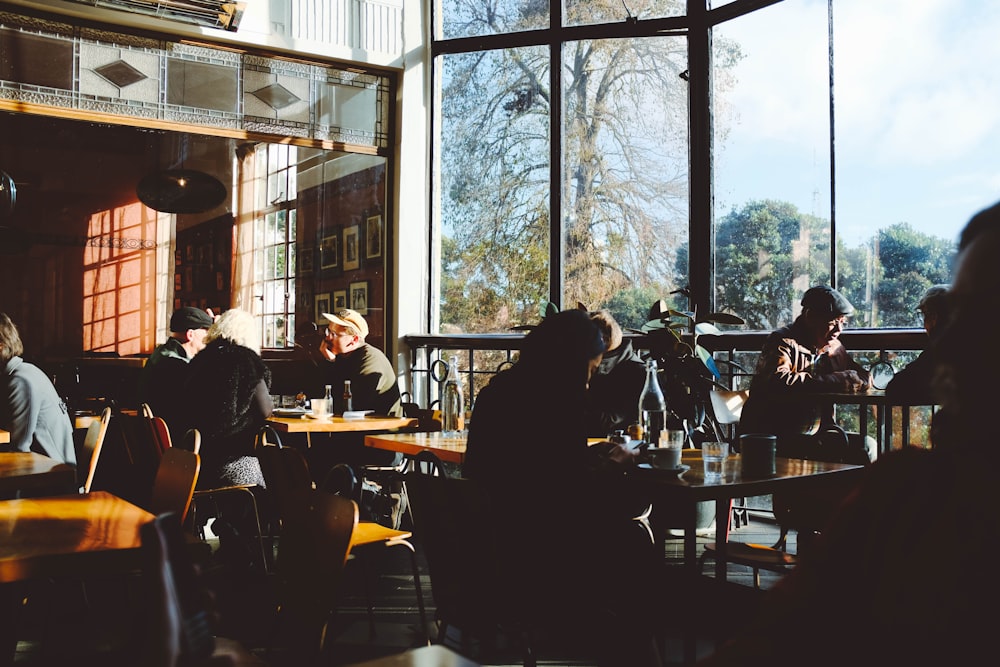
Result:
<point x="757" y="452"/>
<point x="665" y="458"/>
<point x="320" y="408"/>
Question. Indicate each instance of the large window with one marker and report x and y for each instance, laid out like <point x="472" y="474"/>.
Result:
<point x="738" y="155"/>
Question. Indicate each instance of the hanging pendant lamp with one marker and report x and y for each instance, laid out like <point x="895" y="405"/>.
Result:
<point x="8" y="195"/>
<point x="181" y="191"/>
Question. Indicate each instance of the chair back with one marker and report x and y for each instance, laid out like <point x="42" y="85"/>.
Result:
<point x="175" y="480"/>
<point x="93" y="443"/>
<point x="312" y="552"/>
<point x="728" y="405"/>
<point x="181" y="630"/>
<point x="451" y="522"/>
<point x="159" y="428"/>
<point x="286" y="474"/>
<point x="129" y="458"/>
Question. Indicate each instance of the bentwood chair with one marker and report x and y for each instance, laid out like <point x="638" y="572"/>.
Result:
<point x="92" y="446"/>
<point x="175" y="480"/>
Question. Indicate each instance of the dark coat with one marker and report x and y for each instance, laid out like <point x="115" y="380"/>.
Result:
<point x="227" y="390"/>
<point x="613" y="396"/>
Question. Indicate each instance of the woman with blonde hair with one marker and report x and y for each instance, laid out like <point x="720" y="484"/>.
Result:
<point x="229" y="399"/>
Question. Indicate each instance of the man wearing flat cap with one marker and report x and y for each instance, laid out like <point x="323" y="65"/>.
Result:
<point x="162" y="379"/>
<point x="807" y="357"/>
<point x="912" y="384"/>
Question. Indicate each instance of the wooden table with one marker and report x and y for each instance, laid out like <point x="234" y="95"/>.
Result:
<point x="25" y="471"/>
<point x="691" y="488"/>
<point x="4" y="436"/>
<point x="73" y="535"/>
<point x="447" y="448"/>
<point x="340" y="425"/>
<point x="434" y="655"/>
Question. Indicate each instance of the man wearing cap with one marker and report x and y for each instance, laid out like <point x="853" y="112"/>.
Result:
<point x="372" y="376"/>
<point x="807" y="357"/>
<point x="912" y="385"/>
<point x="162" y="379"/>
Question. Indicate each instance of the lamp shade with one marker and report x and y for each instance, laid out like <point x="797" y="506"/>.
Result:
<point x="8" y="195"/>
<point x="181" y="191"/>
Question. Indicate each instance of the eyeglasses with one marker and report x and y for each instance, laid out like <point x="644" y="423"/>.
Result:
<point x="338" y="334"/>
<point x="840" y="322"/>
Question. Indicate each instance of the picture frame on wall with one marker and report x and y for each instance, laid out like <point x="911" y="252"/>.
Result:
<point x="373" y="237"/>
<point x="358" y="294"/>
<point x="339" y="300"/>
<point x="322" y="302"/>
<point x="329" y="252"/>
<point x="304" y="260"/>
<point x="352" y="251"/>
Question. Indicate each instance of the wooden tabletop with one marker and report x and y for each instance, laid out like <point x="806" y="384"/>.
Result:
<point x="75" y="535"/>
<point x="447" y="448"/>
<point x="340" y="425"/>
<point x="20" y="471"/>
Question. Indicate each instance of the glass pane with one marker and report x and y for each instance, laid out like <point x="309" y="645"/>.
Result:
<point x="269" y="336"/>
<point x="772" y="169"/>
<point x="917" y="141"/>
<point x="625" y="161"/>
<point x="461" y="18"/>
<point x="494" y="213"/>
<point x="269" y="262"/>
<point x="268" y="305"/>
<point x="584" y="12"/>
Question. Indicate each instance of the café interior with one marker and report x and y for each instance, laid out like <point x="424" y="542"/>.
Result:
<point x="288" y="158"/>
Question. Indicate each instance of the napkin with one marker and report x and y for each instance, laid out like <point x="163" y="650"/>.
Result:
<point x="357" y="414"/>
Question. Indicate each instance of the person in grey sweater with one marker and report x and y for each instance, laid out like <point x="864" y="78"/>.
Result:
<point x="30" y="408"/>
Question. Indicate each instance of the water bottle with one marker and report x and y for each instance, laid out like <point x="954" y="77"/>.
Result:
<point x="652" y="407"/>
<point x="452" y="402"/>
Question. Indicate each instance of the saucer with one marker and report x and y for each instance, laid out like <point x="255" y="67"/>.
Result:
<point x="666" y="471"/>
<point x="320" y="418"/>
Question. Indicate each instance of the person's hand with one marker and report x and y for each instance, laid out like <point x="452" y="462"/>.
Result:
<point x="854" y="382"/>
<point x="324" y="349"/>
<point x="623" y="454"/>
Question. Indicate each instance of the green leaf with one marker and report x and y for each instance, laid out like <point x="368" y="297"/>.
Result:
<point x="706" y="328"/>
<point x="548" y="308"/>
<point x="723" y="318"/>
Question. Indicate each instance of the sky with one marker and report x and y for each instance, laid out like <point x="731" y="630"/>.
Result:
<point x="916" y="93"/>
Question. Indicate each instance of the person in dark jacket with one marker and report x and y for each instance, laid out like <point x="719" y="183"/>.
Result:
<point x="615" y="386"/>
<point x="912" y="384"/>
<point x="901" y="575"/>
<point x="562" y="510"/>
<point x="801" y="358"/>
<point x="161" y="383"/>
<point x="30" y="407"/>
<point x="228" y="400"/>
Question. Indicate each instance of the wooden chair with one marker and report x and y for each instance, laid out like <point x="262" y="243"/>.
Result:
<point x="127" y="460"/>
<point x="180" y="627"/>
<point x="313" y="548"/>
<point x="92" y="446"/>
<point x="175" y="480"/>
<point x="159" y="428"/>
<point x="451" y="523"/>
<point x="288" y="480"/>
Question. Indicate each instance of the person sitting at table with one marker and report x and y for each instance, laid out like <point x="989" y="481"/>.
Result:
<point x="912" y="385"/>
<point x="613" y="395"/>
<point x="373" y="387"/>
<point x="30" y="407"/>
<point x="228" y="400"/>
<point x="801" y="358"/>
<point x="562" y="511"/>
<point x="161" y="382"/>
<point x="901" y="574"/>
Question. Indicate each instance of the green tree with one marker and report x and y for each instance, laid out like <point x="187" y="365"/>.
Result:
<point x="625" y="185"/>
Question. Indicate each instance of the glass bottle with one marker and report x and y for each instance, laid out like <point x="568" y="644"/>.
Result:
<point x="652" y="407"/>
<point x="452" y="402"/>
<point x="328" y="399"/>
<point x="676" y="430"/>
<point x="348" y="396"/>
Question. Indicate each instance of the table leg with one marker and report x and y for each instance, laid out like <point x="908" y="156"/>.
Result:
<point x="690" y="622"/>
<point x="721" y="537"/>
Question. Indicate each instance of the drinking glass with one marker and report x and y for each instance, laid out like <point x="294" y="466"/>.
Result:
<point x="713" y="455"/>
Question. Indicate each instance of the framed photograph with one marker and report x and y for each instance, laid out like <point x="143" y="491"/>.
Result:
<point x="352" y="253"/>
<point x="359" y="296"/>
<point x="304" y="259"/>
<point x="322" y="306"/>
<point x="373" y="237"/>
<point x="339" y="300"/>
<point x="329" y="252"/>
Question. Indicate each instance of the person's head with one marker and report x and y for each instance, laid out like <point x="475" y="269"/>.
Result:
<point x="933" y="306"/>
<point x="965" y="347"/>
<point x="237" y="326"/>
<point x="611" y="331"/>
<point x="190" y="326"/>
<point x="10" y="340"/>
<point x="565" y="346"/>
<point x="825" y="312"/>
<point x="346" y="330"/>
